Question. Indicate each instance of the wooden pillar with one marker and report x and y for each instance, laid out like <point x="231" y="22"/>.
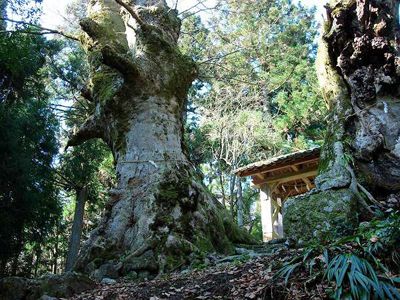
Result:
<point x="266" y="212"/>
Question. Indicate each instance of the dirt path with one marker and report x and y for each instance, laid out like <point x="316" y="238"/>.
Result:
<point x="252" y="279"/>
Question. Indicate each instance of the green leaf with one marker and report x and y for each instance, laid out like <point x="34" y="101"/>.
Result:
<point x="342" y="273"/>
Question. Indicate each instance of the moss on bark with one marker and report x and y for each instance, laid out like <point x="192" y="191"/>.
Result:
<point x="160" y="216"/>
<point x="322" y="216"/>
<point x="357" y="67"/>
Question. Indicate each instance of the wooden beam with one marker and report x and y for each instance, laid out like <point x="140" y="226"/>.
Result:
<point x="260" y="176"/>
<point x="292" y="192"/>
<point x="299" y="191"/>
<point x="310" y="172"/>
<point x="284" y="191"/>
<point x="274" y="187"/>
<point x="279" y="166"/>
<point x="307" y="182"/>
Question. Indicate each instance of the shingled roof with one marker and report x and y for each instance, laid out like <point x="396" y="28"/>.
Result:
<point x="278" y="161"/>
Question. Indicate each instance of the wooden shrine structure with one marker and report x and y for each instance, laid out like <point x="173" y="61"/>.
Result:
<point x="279" y="178"/>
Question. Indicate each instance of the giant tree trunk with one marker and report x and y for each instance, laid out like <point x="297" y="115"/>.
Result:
<point x="159" y="214"/>
<point x="76" y="231"/>
<point x="358" y="67"/>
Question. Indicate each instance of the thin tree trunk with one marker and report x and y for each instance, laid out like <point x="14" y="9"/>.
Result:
<point x="358" y="68"/>
<point x="28" y="268"/>
<point x="76" y="231"/>
<point x="232" y="195"/>
<point x="221" y="182"/>
<point x="37" y="262"/>
<point x="3" y="14"/>
<point x="251" y="227"/>
<point x="3" y="264"/>
<point x="14" y="267"/>
<point x="160" y="214"/>
<point x="55" y="257"/>
<point x="239" y="203"/>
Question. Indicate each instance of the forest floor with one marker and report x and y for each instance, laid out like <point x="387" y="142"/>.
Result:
<point x="246" y="276"/>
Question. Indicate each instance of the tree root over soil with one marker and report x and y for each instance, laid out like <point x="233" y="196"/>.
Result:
<point x="251" y="279"/>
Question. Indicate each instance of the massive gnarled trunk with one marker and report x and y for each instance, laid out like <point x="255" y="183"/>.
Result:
<point x="358" y="67"/>
<point x="160" y="214"/>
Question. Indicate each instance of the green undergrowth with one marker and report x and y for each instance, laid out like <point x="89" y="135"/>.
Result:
<point x="362" y="266"/>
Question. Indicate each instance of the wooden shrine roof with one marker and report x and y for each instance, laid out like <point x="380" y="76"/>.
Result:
<point x="287" y="159"/>
<point x="287" y="175"/>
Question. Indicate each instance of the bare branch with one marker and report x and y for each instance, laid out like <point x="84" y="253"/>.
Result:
<point x="192" y="7"/>
<point x="176" y="4"/>
<point x="42" y="32"/>
<point x="204" y="8"/>
<point x="219" y="57"/>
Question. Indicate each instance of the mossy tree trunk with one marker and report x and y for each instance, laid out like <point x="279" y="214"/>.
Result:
<point x="160" y="215"/>
<point x="358" y="68"/>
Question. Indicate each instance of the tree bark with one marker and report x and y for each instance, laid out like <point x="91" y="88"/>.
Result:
<point x="160" y="214"/>
<point x="76" y="231"/>
<point x="358" y="69"/>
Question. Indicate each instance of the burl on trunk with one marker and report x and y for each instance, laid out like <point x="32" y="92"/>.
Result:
<point x="160" y="215"/>
<point x="358" y="67"/>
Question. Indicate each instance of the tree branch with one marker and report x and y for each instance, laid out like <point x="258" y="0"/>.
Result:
<point x="92" y="28"/>
<point x="219" y="57"/>
<point x="42" y="32"/>
<point x="89" y="130"/>
<point x="132" y="12"/>
<point x="121" y="63"/>
<point x="283" y="82"/>
<point x="87" y="94"/>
